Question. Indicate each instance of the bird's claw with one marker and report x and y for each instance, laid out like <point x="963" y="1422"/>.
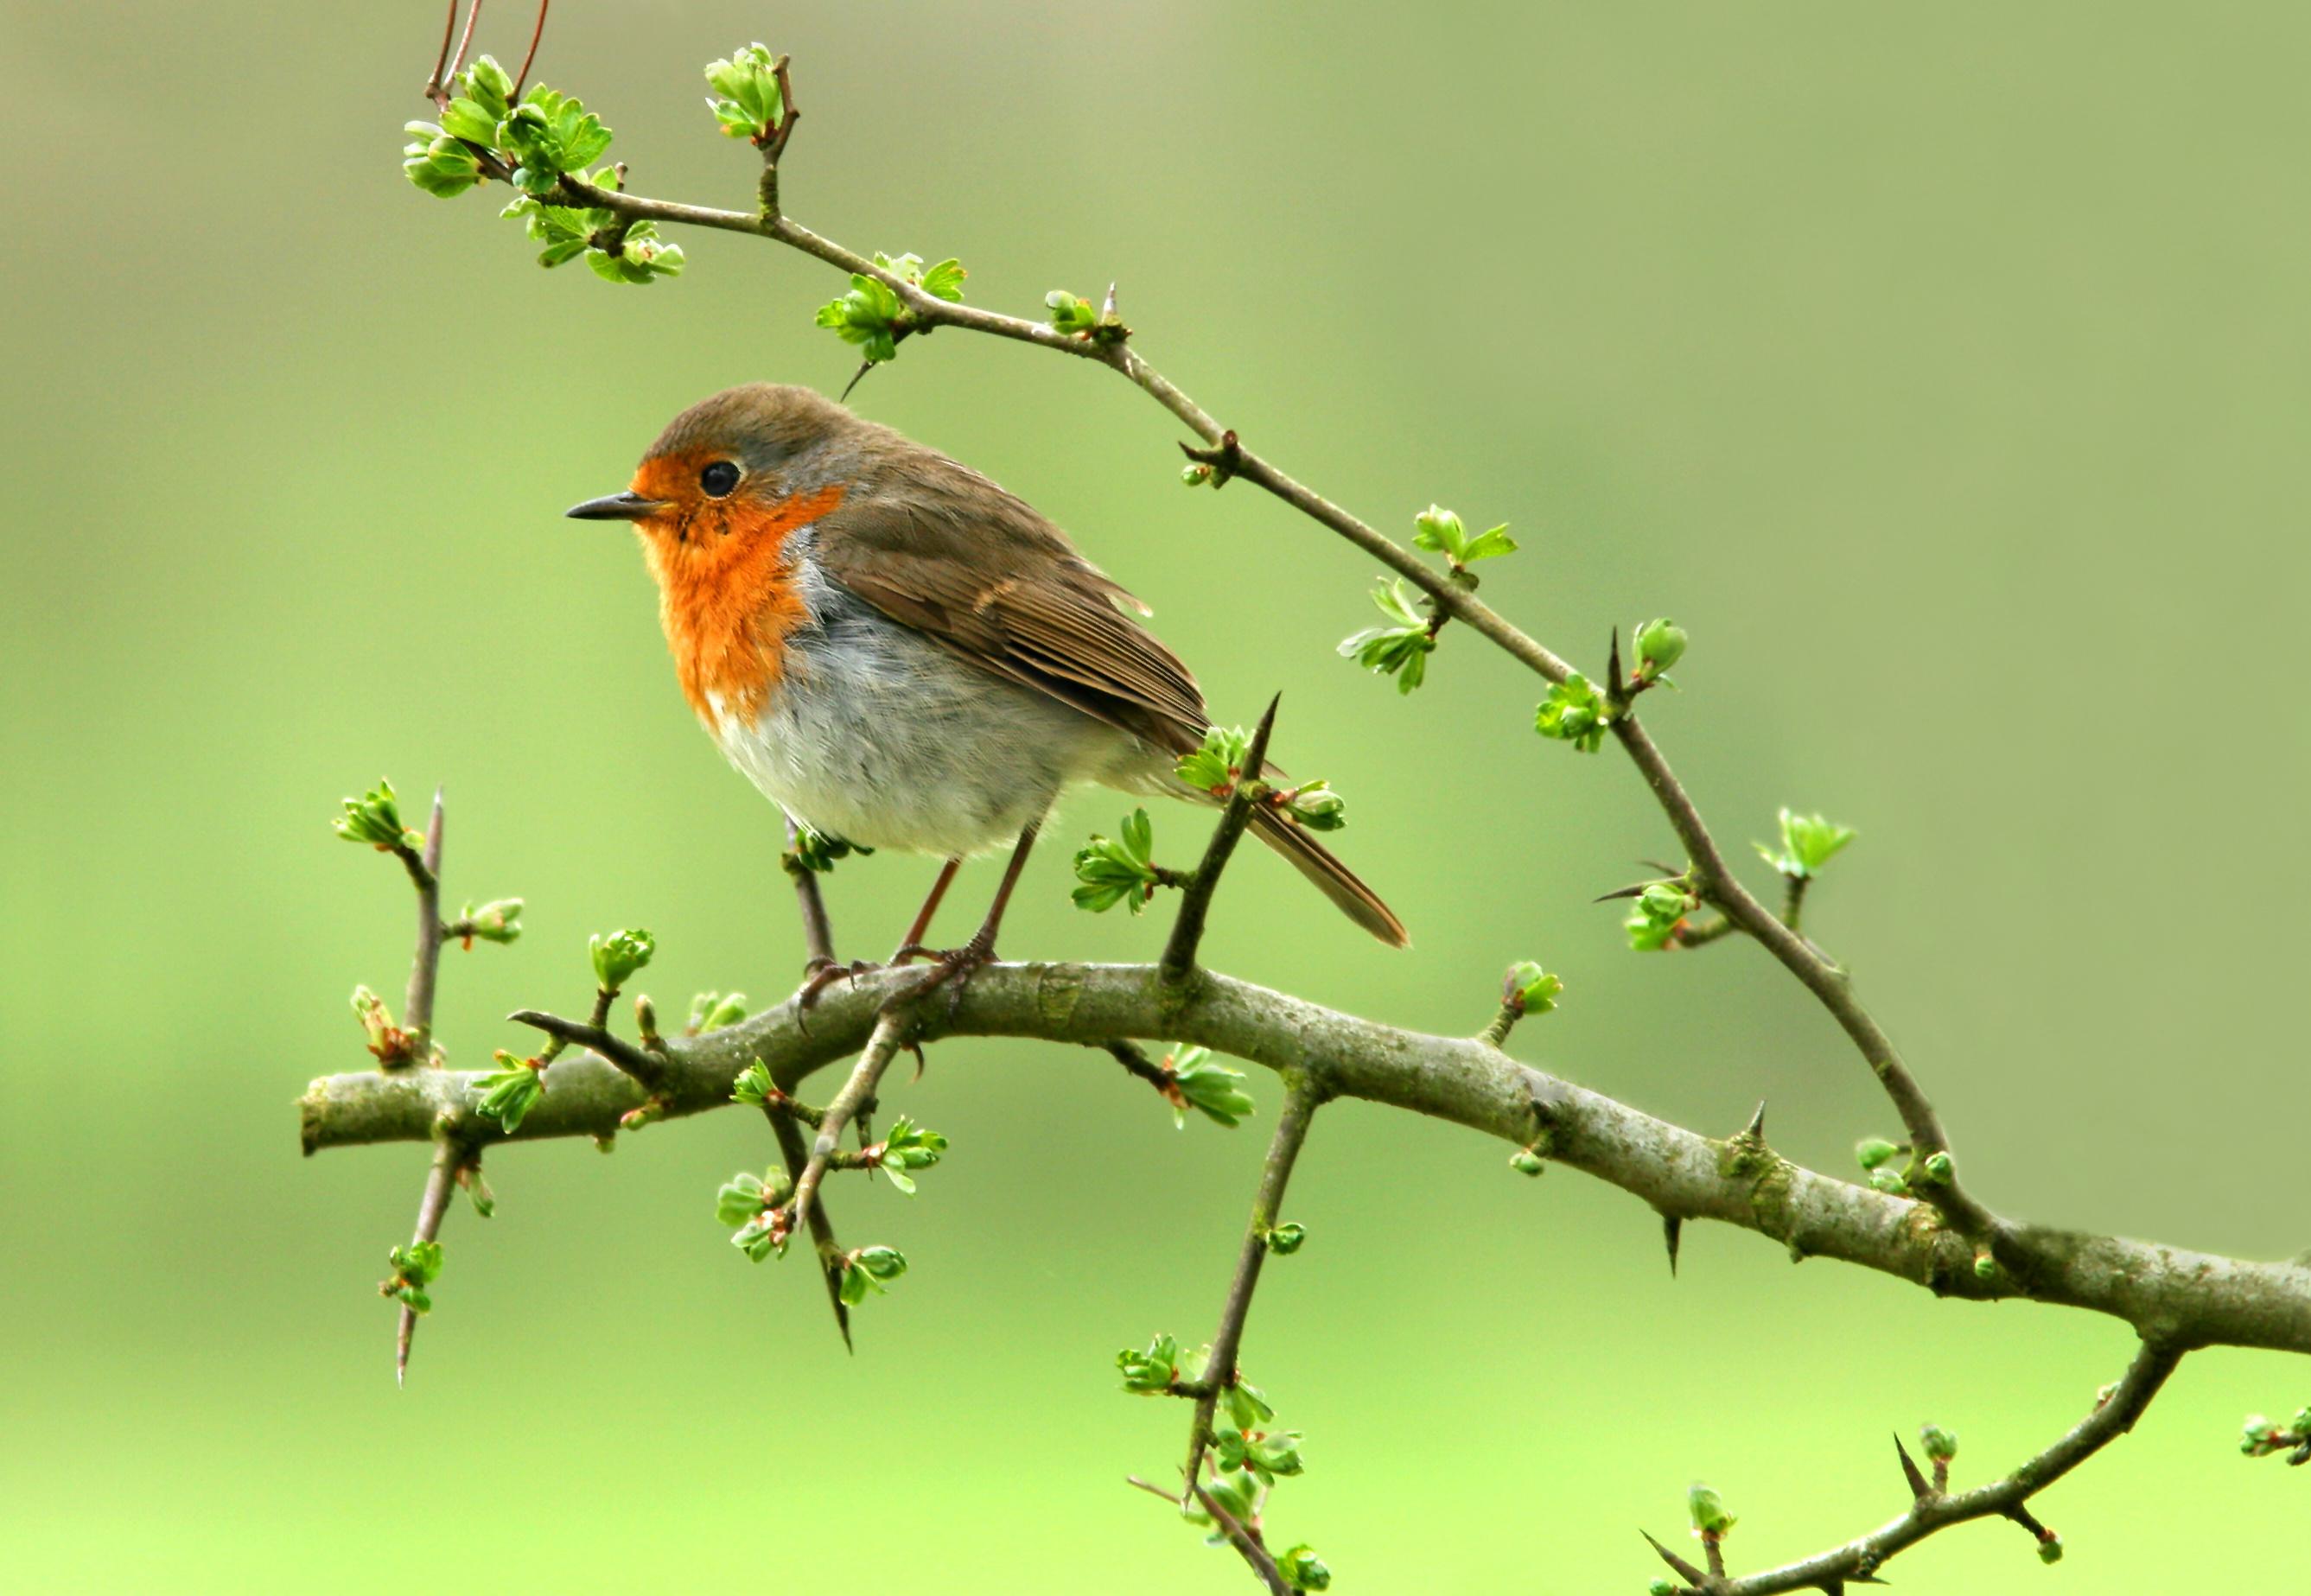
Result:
<point x="951" y="968"/>
<point x="822" y="973"/>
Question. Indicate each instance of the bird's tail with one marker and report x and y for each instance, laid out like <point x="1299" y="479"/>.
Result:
<point x="1334" y="879"/>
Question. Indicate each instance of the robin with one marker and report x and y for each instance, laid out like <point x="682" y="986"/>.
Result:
<point x="901" y="655"/>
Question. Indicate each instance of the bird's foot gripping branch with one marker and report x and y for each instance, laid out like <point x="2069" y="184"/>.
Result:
<point x="1914" y="1219"/>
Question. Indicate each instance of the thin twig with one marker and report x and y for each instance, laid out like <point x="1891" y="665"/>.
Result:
<point x="472" y="16"/>
<point x="890" y="1032"/>
<point x="1195" y="896"/>
<point x="435" y="90"/>
<point x="536" y="34"/>
<point x="417" y="1008"/>
<point x="819" y="1222"/>
<point x="1300" y="1099"/>
<point x="1245" y="1543"/>
<point x="649" y="1069"/>
<point x="2003" y="1498"/>
<point x="817" y="931"/>
<point x="432" y="1205"/>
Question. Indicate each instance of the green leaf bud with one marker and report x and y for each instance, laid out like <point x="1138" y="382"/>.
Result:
<point x="1874" y="1150"/>
<point x="1708" y="1510"/>
<point x="1575" y="712"/>
<point x="1216" y="764"/>
<point x="1531" y="989"/>
<point x="1659" y="645"/>
<point x="1213" y="1089"/>
<point x="753" y="1085"/>
<point x="1939" y="1169"/>
<point x="497" y="921"/>
<point x="1890" y="1183"/>
<point x="1941" y="1445"/>
<point x="1150" y="1373"/>
<point x="1526" y="1162"/>
<point x="1284" y="1240"/>
<point x="2050" y="1547"/>
<point x="619" y="956"/>
<point x="1303" y="1570"/>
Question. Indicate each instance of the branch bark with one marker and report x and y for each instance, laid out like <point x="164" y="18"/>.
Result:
<point x="2168" y="1295"/>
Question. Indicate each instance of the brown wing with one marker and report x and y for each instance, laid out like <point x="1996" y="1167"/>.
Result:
<point x="937" y="547"/>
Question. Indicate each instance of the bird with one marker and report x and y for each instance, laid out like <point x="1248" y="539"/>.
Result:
<point x="901" y="655"/>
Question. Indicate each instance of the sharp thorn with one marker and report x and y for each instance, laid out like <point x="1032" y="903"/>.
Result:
<point x="1672" y="1228"/>
<point x="401" y="1339"/>
<point x="1758" y="1123"/>
<point x="1637" y="891"/>
<point x="1919" y="1489"/>
<point x="856" y="377"/>
<point x="1613" y="664"/>
<point x="1685" y="1570"/>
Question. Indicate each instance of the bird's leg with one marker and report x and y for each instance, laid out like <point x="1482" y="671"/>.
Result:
<point x="957" y="965"/>
<point x="910" y="945"/>
<point x="824" y="971"/>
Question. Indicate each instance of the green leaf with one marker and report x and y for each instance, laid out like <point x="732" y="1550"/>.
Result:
<point x="1213" y="1089"/>
<point x="1575" y="712"/>
<point x="498" y="921"/>
<point x="1659" y="644"/>
<point x="375" y="818"/>
<point x="1658" y="912"/>
<point x="1708" y="1511"/>
<point x="1151" y="1372"/>
<point x="1398" y="650"/>
<point x="488" y="86"/>
<point x="753" y="1085"/>
<point x="466" y="119"/>
<point x="1074" y="318"/>
<point x="1303" y="1570"/>
<point x="1315" y="806"/>
<point x="510" y="1093"/>
<point x="1532" y="989"/>
<point x="944" y="280"/>
<point x="1216" y="765"/>
<point x="619" y="956"/>
<point x="1120" y="870"/>
<point x="1809" y="841"/>
<point x="750" y="105"/>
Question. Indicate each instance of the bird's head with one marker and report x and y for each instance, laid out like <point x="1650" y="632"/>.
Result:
<point x="733" y="473"/>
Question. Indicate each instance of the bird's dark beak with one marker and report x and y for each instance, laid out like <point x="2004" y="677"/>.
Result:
<point x="618" y="507"/>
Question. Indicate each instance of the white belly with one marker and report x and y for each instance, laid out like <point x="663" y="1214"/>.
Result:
<point x="877" y="735"/>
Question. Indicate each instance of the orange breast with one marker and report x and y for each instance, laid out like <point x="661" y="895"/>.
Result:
<point x="726" y="599"/>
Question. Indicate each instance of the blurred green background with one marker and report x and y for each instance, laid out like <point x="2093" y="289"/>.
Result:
<point x="1939" y="371"/>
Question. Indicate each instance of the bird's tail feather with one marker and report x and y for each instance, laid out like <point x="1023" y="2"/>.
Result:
<point x="1334" y="879"/>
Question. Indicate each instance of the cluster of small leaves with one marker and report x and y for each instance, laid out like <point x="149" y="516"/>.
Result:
<point x="1080" y="318"/>
<point x="1575" y="712"/>
<point x="1263" y="1454"/>
<point x="873" y="316"/>
<point x="415" y="1267"/>
<point x="1659" y="644"/>
<point x="497" y="921"/>
<point x="1119" y="870"/>
<point x="1401" y="649"/>
<point x="1162" y="1366"/>
<point x="1216" y="766"/>
<point x="867" y="1268"/>
<point x="544" y="136"/>
<point x="1530" y="988"/>
<point x="907" y="1148"/>
<point x="712" y="1011"/>
<point x="615" y="251"/>
<point x="375" y="818"/>
<point x="1711" y="1522"/>
<point x="754" y="1087"/>
<point x="818" y="853"/>
<point x="1195" y="1080"/>
<point x="749" y="1204"/>
<point x="1656" y="914"/>
<point x="1809" y="841"/>
<point x="510" y="1091"/>
<point x="1876" y="1155"/>
<point x="1315" y="806"/>
<point x="390" y="1044"/>
<point x="2262" y="1438"/>
<point x="619" y="956"/>
<point x="1303" y="1569"/>
<point x="747" y="100"/>
<point x="1439" y="530"/>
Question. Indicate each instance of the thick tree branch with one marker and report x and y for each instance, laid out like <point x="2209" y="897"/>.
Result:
<point x="2169" y="1295"/>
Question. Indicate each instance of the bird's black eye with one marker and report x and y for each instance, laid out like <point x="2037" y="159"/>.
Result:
<point x="719" y="478"/>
